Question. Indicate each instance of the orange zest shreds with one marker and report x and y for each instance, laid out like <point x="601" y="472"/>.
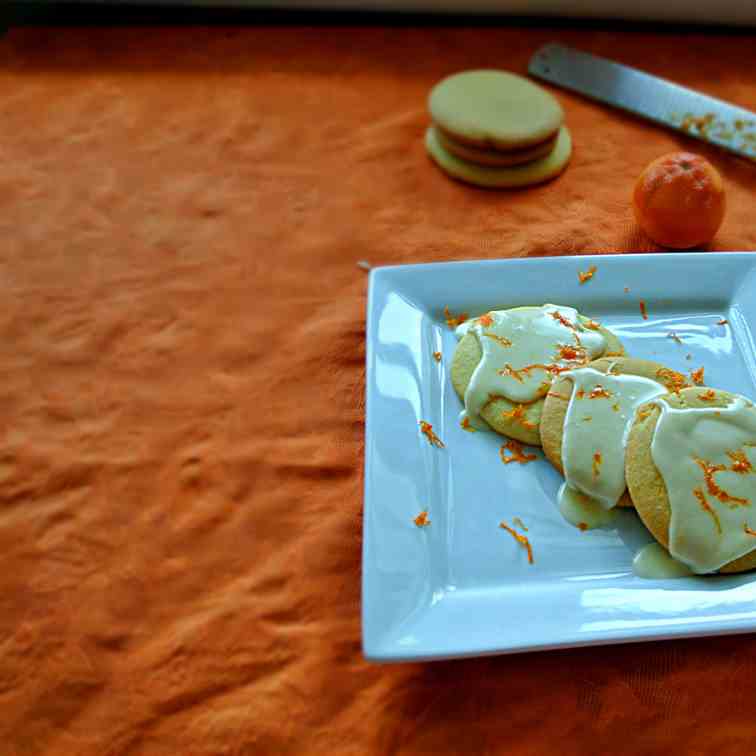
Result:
<point x="486" y="320"/>
<point x="437" y="356"/>
<point x="596" y="464"/>
<point x="672" y="335"/>
<point x="519" y="523"/>
<point x="673" y="380"/>
<point x="748" y="531"/>
<point x="511" y="372"/>
<point x="518" y="415"/>
<point x="454" y="320"/>
<point x="517" y="453"/>
<point x="501" y="340"/>
<point x="723" y="321"/>
<point x="588" y="275"/>
<point x="559" y="317"/>
<point x="466" y="425"/>
<point x="592" y="324"/>
<point x="643" y="312"/>
<point x="643" y="414"/>
<point x="422" y="519"/>
<point x="714" y="490"/>
<point x="571" y="353"/>
<point x="579" y="394"/>
<point x="583" y="526"/>
<point x="699" y="494"/>
<point x="740" y="463"/>
<point x="599" y="392"/>
<point x="557" y="395"/>
<point x="697" y="376"/>
<point x="553" y="369"/>
<point x="707" y="396"/>
<point x="427" y="430"/>
<point x="521" y="539"/>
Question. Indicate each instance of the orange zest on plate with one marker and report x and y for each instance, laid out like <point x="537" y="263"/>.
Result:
<point x="587" y="275"/>
<point x="422" y="520"/>
<point x="723" y="321"/>
<point x="521" y="539"/>
<point x="748" y="531"/>
<point x="517" y="453"/>
<point x="707" y="396"/>
<point x="592" y="324"/>
<point x="437" y="356"/>
<point x="519" y="523"/>
<point x="427" y="430"/>
<point x="454" y="320"/>
<point x="697" y="376"/>
<point x="643" y="312"/>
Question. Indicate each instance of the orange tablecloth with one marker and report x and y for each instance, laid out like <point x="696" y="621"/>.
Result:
<point x="182" y="364"/>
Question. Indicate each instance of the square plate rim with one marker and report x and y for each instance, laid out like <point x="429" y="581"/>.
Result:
<point x="383" y="274"/>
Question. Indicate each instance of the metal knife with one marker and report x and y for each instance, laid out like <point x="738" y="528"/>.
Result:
<point x="658" y="100"/>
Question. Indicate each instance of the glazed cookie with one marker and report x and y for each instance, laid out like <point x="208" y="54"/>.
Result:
<point x="505" y="361"/>
<point x="587" y="412"/>
<point x="494" y="109"/>
<point x="690" y="471"/>
<point x="506" y="177"/>
<point x="495" y="158"/>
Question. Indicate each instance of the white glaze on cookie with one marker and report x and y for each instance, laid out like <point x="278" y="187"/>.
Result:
<point x="654" y="562"/>
<point x="601" y="409"/>
<point x="521" y="350"/>
<point x="707" y="459"/>
<point x="582" y="511"/>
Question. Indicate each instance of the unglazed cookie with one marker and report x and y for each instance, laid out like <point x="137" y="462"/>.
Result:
<point x="690" y="471"/>
<point x="496" y="158"/>
<point x="600" y="400"/>
<point x="511" y="403"/>
<point x="507" y="177"/>
<point x="494" y="109"/>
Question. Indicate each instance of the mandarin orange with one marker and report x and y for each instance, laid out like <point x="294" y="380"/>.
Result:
<point x="679" y="200"/>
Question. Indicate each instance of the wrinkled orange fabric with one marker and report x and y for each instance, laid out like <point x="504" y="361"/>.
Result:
<point x="182" y="371"/>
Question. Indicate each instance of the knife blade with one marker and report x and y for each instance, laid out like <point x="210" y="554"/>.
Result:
<point x="659" y="100"/>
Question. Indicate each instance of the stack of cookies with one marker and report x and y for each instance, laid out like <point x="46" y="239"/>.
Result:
<point x="495" y="129"/>
<point x="623" y="431"/>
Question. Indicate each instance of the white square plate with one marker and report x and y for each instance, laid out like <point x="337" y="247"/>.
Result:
<point x="462" y="586"/>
